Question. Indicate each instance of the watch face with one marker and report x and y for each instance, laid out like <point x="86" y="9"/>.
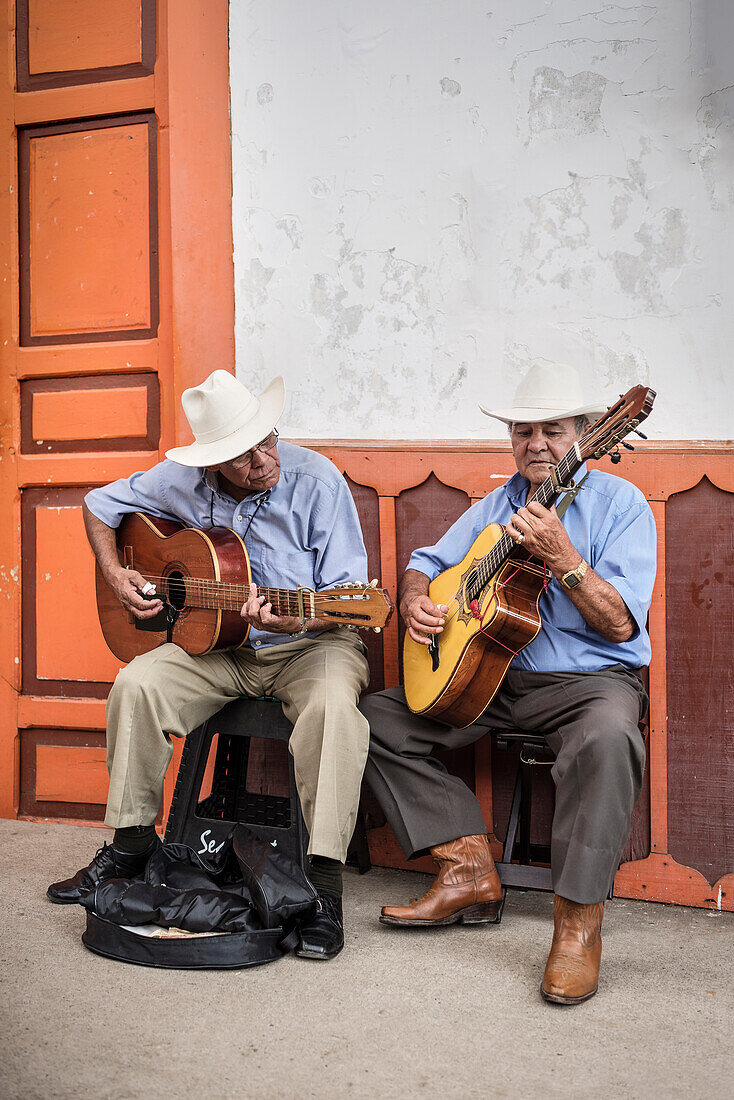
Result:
<point x="572" y="580"/>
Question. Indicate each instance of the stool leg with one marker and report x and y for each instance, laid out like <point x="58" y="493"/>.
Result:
<point x="526" y="784"/>
<point x="509" y="846"/>
<point x="188" y="783"/>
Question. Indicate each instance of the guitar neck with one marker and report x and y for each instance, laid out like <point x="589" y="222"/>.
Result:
<point x="546" y="494"/>
<point x="220" y="596"/>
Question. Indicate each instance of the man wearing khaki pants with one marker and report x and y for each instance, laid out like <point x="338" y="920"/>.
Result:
<point x="298" y="521"/>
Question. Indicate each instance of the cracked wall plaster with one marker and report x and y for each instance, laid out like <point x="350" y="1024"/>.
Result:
<point x="426" y="203"/>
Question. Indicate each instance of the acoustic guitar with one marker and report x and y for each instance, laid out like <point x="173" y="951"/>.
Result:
<point x="493" y="594"/>
<point x="203" y="578"/>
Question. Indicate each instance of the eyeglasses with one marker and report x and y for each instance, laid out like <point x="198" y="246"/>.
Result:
<point x="243" y="462"/>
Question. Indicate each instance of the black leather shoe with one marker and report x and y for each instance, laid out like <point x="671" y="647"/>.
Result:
<point x="322" y="935"/>
<point x="108" y="863"/>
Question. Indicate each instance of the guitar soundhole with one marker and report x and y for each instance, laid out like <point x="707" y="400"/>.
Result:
<point x="176" y="589"/>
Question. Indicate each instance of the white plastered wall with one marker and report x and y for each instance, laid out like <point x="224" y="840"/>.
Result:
<point x="429" y="195"/>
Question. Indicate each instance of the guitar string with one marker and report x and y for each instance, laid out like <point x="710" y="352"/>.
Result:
<point x="287" y="598"/>
<point x="230" y="587"/>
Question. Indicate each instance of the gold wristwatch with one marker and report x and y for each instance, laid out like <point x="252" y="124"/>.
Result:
<point x="575" y="576"/>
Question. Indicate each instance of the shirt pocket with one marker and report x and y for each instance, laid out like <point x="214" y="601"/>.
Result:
<point x="558" y="610"/>
<point x="288" y="569"/>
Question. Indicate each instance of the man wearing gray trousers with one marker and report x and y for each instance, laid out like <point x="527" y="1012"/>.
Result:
<point x="578" y="683"/>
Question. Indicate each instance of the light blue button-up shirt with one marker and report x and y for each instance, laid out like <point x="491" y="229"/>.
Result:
<point x="305" y="530"/>
<point x="612" y="527"/>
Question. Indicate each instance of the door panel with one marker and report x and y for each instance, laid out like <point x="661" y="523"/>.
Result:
<point x="88" y="230"/>
<point x="61" y="42"/>
<point x="120" y="412"/>
<point x="63" y="649"/>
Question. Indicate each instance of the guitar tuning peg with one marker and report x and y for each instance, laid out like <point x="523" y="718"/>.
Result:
<point x="378" y="629"/>
<point x="627" y="446"/>
<point x="641" y="434"/>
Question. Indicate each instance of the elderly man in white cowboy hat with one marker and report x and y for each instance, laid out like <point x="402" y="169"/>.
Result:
<point x="297" y="518"/>
<point x="578" y="683"/>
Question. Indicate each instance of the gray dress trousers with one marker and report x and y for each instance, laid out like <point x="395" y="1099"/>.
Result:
<point x="590" y="721"/>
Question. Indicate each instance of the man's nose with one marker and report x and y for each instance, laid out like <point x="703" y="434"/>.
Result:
<point x="259" y="458"/>
<point x="537" y="440"/>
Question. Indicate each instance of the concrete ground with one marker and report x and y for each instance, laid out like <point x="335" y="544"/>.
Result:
<point x="449" y="1012"/>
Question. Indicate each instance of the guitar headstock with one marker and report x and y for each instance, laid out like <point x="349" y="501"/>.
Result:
<point x="361" y="605"/>
<point x="618" y="421"/>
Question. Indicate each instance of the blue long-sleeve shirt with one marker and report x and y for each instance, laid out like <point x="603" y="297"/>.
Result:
<point x="306" y="532"/>
<point x="611" y="525"/>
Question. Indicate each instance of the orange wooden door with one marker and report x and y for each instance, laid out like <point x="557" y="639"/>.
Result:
<point x="116" y="219"/>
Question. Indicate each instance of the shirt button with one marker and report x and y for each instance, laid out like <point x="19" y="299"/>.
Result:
<point x="258" y="643"/>
<point x="238" y="518"/>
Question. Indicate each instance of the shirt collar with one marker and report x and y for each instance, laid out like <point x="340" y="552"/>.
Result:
<point x="517" y="489"/>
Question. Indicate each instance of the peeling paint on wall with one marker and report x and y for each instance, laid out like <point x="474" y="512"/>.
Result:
<point x="426" y="203"/>
<point x="571" y="104"/>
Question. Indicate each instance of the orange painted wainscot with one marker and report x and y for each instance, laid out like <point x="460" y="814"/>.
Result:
<point x="682" y="844"/>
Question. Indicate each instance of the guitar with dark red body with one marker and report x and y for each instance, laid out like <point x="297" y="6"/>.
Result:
<point x="203" y="577"/>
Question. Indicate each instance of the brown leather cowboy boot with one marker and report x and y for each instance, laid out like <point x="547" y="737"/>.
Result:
<point x="466" y="890"/>
<point x="572" y="971"/>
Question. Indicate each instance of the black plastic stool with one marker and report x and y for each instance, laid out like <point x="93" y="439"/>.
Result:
<point x="204" y="824"/>
<point x="524" y="873"/>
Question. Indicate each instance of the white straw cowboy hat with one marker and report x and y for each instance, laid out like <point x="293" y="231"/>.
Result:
<point x="227" y="419"/>
<point x="549" y="391"/>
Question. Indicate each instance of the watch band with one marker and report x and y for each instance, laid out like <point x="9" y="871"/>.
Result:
<point x="302" y="631"/>
<point x="575" y="576"/>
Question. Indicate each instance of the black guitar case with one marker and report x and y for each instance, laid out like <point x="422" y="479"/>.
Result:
<point x="240" y="907"/>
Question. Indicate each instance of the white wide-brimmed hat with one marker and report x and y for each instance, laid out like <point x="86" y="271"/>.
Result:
<point x="227" y="419"/>
<point x="549" y="391"/>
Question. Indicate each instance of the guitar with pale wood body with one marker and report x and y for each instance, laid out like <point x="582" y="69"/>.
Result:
<point x="203" y="578"/>
<point x="493" y="594"/>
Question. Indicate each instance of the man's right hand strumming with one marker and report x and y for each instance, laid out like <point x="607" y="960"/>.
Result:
<point x="421" y="615"/>
<point x="127" y="585"/>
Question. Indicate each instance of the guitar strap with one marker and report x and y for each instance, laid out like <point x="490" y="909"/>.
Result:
<point x="570" y="497"/>
<point x="171" y="616"/>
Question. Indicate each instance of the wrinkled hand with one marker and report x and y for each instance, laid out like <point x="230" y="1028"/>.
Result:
<point x="259" y="614"/>
<point x="543" y="535"/>
<point x="127" y="584"/>
<point x="423" y="618"/>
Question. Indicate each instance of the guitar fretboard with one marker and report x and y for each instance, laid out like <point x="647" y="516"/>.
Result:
<point x="221" y="596"/>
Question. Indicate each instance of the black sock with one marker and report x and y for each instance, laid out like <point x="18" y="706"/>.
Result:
<point x="326" y="875"/>
<point x="134" y="840"/>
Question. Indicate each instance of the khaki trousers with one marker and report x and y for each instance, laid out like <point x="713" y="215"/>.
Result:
<point x="166" y="693"/>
